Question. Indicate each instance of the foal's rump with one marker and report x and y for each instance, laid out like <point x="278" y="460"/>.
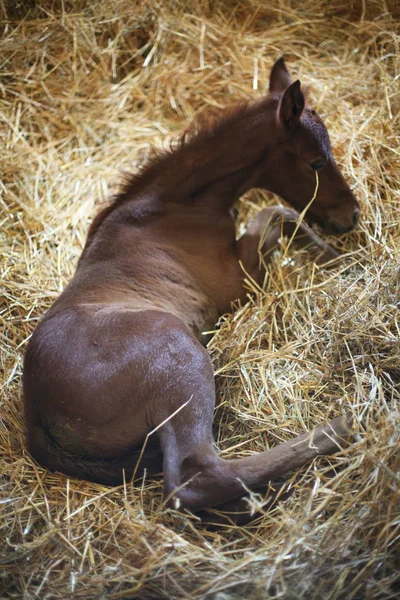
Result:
<point x="99" y="383"/>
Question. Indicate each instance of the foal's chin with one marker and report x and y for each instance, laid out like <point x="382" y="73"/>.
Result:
<point x="328" y="227"/>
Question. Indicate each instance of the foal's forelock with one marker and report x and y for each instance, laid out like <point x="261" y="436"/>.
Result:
<point x="319" y="134"/>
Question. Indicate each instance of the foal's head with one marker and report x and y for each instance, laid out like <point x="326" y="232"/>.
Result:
<point x="303" y="149"/>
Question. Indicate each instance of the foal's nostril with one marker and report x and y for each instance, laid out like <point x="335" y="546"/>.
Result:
<point x="356" y="216"/>
<point x="336" y="228"/>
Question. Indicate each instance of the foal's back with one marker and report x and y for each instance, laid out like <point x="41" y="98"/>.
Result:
<point x="175" y="259"/>
<point x="126" y="329"/>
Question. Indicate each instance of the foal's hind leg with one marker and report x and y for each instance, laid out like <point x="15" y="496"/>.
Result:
<point x="263" y="233"/>
<point x="195" y="477"/>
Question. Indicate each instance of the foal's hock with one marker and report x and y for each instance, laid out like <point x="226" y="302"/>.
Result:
<point x="121" y="352"/>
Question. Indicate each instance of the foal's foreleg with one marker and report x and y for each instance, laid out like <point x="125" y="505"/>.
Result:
<point x="264" y="231"/>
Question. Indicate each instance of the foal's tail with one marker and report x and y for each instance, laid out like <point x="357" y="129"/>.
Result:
<point x="106" y="471"/>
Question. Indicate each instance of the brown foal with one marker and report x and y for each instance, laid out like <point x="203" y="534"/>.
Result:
<point x="121" y="351"/>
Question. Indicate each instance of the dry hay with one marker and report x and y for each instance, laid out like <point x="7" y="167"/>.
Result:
<point x="86" y="87"/>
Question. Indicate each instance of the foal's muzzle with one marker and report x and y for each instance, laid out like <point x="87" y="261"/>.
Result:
<point x="334" y="227"/>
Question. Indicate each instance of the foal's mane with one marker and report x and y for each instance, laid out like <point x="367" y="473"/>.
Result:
<point x="206" y="127"/>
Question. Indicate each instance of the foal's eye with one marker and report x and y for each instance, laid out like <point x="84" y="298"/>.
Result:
<point x="318" y="164"/>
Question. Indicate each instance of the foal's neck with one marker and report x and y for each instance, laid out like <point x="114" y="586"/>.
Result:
<point x="219" y="163"/>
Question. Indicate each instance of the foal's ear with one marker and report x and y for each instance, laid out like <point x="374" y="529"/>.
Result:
<point x="291" y="105"/>
<point x="279" y="79"/>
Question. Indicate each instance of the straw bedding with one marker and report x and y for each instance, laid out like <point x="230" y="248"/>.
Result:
<point x="86" y="89"/>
